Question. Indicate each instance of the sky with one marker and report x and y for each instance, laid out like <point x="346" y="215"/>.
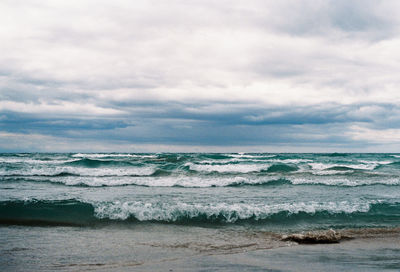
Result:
<point x="199" y="76"/>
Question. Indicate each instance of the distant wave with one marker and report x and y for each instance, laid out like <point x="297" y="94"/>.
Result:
<point x="227" y="168"/>
<point x="282" y="168"/>
<point x="338" y="154"/>
<point x="38" y="161"/>
<point x="346" y="182"/>
<point x="162" y="181"/>
<point x="161" y="178"/>
<point x="390" y="164"/>
<point x="201" y="169"/>
<point x="83" y="172"/>
<point x="74" y="212"/>
<point x="340" y="168"/>
<point x="111" y="155"/>
<point x="241" y="168"/>
<point x="344" y="167"/>
<point x="251" y="156"/>
<point x="94" y="163"/>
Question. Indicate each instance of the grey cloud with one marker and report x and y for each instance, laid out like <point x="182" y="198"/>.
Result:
<point x="200" y="72"/>
<point x="321" y="17"/>
<point x="238" y="125"/>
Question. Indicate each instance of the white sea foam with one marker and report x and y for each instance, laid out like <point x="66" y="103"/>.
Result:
<point x="182" y="181"/>
<point x="325" y="166"/>
<point x="142" y="177"/>
<point x="246" y="161"/>
<point x="293" y="161"/>
<point x="228" y="168"/>
<point x="249" y="156"/>
<point x="33" y="161"/>
<point x="220" y="161"/>
<point x="345" y="181"/>
<point x="228" y="212"/>
<point x="234" y="161"/>
<point x="375" y="162"/>
<point x="111" y="155"/>
<point x="89" y="172"/>
<point x="332" y="172"/>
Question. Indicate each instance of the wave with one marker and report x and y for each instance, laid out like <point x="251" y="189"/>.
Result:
<point x="340" y="168"/>
<point x="17" y="175"/>
<point x="251" y="156"/>
<point x="390" y="164"/>
<point x="83" y="172"/>
<point x="162" y="178"/>
<point x="320" y="168"/>
<point x="74" y="212"/>
<point x="241" y="168"/>
<point x="291" y="161"/>
<point x="281" y="168"/>
<point x="55" y="212"/>
<point x="255" y="160"/>
<point x="227" y="168"/>
<point x="346" y="182"/>
<point x="159" y="181"/>
<point x="323" y="166"/>
<point x="94" y="163"/>
<point x="111" y="155"/>
<point x="338" y="154"/>
<point x="40" y="161"/>
<point x="60" y="174"/>
<point x="171" y="158"/>
<point x="284" y="166"/>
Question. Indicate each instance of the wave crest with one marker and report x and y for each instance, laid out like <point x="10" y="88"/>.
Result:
<point x="77" y="212"/>
<point x="219" y="212"/>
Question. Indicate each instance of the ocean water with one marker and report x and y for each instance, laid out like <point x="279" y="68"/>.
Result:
<point x="184" y="204"/>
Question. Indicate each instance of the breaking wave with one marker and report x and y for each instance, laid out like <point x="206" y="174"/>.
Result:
<point x="157" y="181"/>
<point x="161" y="178"/>
<point x="74" y="212"/>
<point x="112" y="155"/>
<point x="94" y="163"/>
<point x="81" y="171"/>
<point x="241" y="168"/>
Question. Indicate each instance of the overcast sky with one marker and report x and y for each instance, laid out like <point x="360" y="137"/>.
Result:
<point x="241" y="76"/>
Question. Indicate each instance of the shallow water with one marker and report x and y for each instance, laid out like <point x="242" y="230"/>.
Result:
<point x="160" y="247"/>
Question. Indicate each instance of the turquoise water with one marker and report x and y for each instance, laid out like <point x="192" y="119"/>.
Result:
<point x="265" y="191"/>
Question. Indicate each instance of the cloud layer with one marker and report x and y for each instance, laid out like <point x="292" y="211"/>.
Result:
<point x="199" y="75"/>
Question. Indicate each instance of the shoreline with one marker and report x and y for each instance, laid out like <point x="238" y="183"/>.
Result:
<point x="160" y="247"/>
<point x="364" y="253"/>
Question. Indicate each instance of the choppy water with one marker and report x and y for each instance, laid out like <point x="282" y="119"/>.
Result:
<point x="285" y="192"/>
<point x="160" y="212"/>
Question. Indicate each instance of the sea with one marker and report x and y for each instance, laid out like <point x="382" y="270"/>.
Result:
<point x="199" y="212"/>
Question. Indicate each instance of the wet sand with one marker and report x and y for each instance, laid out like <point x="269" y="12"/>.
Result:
<point x="373" y="253"/>
<point x="182" y="248"/>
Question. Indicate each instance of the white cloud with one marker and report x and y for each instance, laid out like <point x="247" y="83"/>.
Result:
<point x="375" y="136"/>
<point x="61" y="108"/>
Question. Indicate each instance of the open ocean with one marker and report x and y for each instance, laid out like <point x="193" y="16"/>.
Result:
<point x="73" y="211"/>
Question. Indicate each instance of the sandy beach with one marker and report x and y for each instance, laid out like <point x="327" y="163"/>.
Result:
<point x="183" y="248"/>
